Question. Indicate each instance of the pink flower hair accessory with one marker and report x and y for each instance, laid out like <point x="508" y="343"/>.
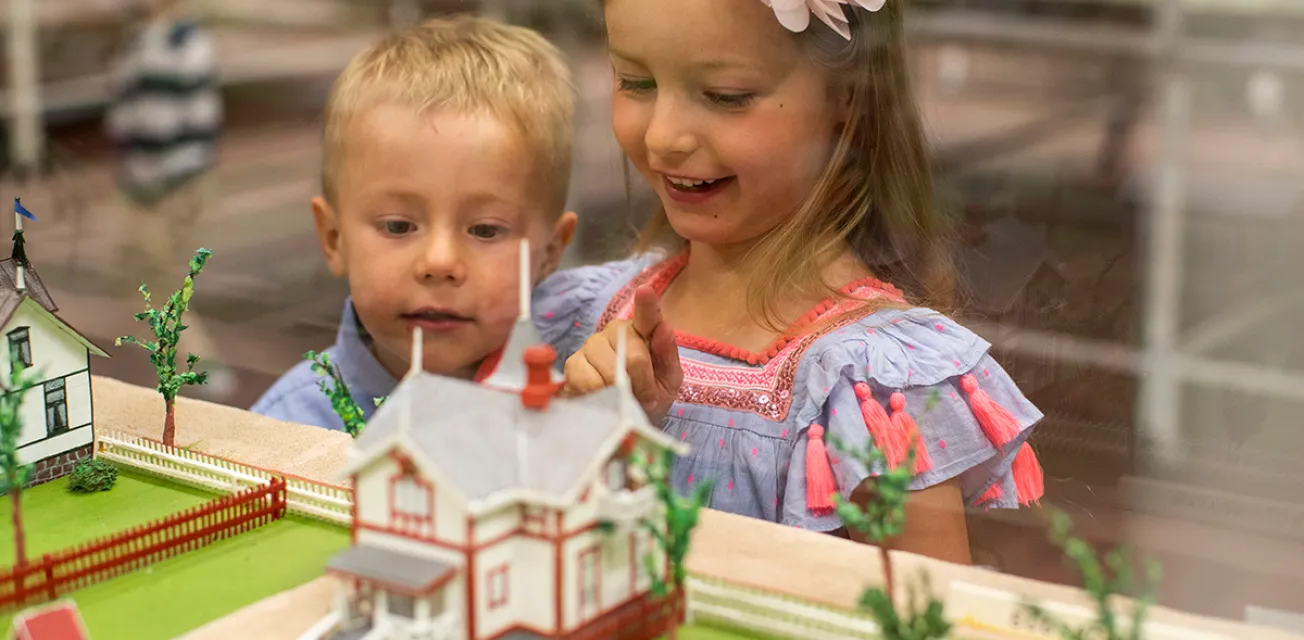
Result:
<point x="794" y="15"/>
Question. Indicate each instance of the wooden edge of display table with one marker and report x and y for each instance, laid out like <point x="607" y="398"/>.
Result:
<point x="783" y="560"/>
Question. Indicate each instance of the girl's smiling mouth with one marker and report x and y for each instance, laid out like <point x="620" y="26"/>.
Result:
<point x="693" y="190"/>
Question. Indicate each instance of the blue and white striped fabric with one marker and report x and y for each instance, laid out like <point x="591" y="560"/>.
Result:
<point x="167" y="109"/>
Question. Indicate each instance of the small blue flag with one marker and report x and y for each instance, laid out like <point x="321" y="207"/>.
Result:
<point x="22" y="211"/>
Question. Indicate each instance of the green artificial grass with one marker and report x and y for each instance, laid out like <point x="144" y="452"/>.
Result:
<point x="182" y="593"/>
<point x="55" y="518"/>
<point x="718" y="631"/>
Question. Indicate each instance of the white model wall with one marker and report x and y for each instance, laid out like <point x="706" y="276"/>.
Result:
<point x="372" y="497"/>
<point x="530" y="585"/>
<point x="55" y="354"/>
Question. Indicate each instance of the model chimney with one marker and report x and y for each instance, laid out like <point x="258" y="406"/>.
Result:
<point x="539" y="387"/>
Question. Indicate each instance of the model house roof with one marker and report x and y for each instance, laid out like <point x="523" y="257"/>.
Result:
<point x="399" y="570"/>
<point x="511" y="373"/>
<point x="31" y="280"/>
<point x="60" y="621"/>
<point x="38" y="296"/>
<point x="486" y="442"/>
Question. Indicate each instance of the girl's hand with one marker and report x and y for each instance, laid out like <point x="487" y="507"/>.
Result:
<point x="651" y="358"/>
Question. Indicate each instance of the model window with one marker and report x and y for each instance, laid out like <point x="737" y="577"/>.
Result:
<point x="589" y="579"/>
<point x="20" y="346"/>
<point x="56" y="407"/>
<point x="498" y="587"/>
<point x="401" y="605"/>
<point x="411" y="498"/>
<point x="616" y="475"/>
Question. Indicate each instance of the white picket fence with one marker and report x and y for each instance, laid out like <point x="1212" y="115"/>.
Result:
<point x="331" y="503"/>
<point x="710" y="599"/>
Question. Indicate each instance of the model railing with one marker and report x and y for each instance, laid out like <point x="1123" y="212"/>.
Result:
<point x="99" y="560"/>
<point x="712" y="599"/>
<point x="329" y="502"/>
<point x="644" y="617"/>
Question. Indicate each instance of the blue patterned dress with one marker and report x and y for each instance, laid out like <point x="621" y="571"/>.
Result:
<point x="748" y="416"/>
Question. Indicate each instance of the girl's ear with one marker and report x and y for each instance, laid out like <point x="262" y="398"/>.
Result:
<point x="844" y="95"/>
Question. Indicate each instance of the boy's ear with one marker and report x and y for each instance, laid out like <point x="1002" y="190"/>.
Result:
<point x="562" y="233"/>
<point x="328" y="234"/>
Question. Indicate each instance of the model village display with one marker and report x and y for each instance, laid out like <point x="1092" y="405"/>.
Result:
<point x="491" y="510"/>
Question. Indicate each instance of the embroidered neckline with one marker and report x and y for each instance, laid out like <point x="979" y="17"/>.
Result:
<point x="670" y="268"/>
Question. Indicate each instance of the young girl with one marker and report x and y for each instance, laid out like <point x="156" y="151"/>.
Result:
<point x="790" y="164"/>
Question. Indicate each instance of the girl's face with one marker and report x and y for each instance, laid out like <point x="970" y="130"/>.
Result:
<point x="720" y="110"/>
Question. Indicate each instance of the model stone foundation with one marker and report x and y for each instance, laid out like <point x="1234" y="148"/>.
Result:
<point x="58" y="466"/>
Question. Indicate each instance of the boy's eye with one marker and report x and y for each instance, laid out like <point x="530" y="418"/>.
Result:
<point x="396" y="227"/>
<point x="487" y="231"/>
<point x="730" y="100"/>
<point x="633" y="85"/>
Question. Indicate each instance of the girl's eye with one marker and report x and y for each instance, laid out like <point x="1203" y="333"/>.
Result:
<point x="632" y="85"/>
<point x="487" y="231"/>
<point x="397" y="227"/>
<point x="730" y="100"/>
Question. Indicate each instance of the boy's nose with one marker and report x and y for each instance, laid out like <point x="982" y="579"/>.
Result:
<point x="443" y="260"/>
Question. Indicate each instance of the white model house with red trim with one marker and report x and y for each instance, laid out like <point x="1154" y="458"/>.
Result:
<point x="496" y="510"/>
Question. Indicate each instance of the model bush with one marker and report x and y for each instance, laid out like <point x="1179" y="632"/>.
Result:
<point x="92" y="475"/>
<point x="165" y="325"/>
<point x="1102" y="582"/>
<point x="337" y="391"/>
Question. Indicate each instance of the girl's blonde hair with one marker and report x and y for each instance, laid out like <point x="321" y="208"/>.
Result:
<point x="874" y="196"/>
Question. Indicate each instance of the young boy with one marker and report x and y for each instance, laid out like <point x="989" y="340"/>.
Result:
<point x="445" y="145"/>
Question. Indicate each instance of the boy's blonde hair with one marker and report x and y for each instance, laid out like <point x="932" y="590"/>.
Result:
<point x="465" y="65"/>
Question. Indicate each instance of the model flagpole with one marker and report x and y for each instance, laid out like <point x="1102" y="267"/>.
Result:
<point x="418" y="352"/>
<point x="525" y="279"/>
<point x="19" y="255"/>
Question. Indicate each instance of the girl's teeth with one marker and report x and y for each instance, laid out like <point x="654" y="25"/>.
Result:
<point x="680" y="182"/>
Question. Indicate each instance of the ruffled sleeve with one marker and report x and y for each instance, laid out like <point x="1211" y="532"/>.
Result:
<point x="567" y="305"/>
<point x="903" y="377"/>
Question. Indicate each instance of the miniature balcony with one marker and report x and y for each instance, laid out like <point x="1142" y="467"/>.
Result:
<point x="625" y="509"/>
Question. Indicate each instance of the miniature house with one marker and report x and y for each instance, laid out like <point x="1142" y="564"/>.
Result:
<point x="495" y="510"/>
<point x="56" y="413"/>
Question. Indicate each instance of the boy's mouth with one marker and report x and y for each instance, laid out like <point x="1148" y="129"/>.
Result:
<point x="436" y="319"/>
<point x="695" y="185"/>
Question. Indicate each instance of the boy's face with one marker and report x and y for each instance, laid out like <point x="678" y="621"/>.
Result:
<point x="430" y="214"/>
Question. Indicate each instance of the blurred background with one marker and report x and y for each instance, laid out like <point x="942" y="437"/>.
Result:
<point x="1127" y="174"/>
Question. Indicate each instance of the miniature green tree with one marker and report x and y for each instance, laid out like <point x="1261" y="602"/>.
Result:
<point x="880" y="519"/>
<point x="1102" y="582"/>
<point x="165" y="324"/>
<point x="674" y="534"/>
<point x="337" y="391"/>
<point x="20" y="379"/>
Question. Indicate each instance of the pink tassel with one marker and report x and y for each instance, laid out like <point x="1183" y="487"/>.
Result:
<point x="820" y="486"/>
<point x="903" y="424"/>
<point x="1029" y="480"/>
<point x="996" y="422"/>
<point x="889" y="439"/>
<point x="995" y="492"/>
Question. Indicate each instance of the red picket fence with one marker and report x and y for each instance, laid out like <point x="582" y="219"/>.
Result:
<point x="643" y="618"/>
<point x="109" y="557"/>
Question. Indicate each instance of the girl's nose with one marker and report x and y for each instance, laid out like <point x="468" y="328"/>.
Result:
<point x="668" y="131"/>
<point x="442" y="260"/>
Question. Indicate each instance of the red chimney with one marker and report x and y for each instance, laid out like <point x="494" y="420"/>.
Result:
<point x="539" y="387"/>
